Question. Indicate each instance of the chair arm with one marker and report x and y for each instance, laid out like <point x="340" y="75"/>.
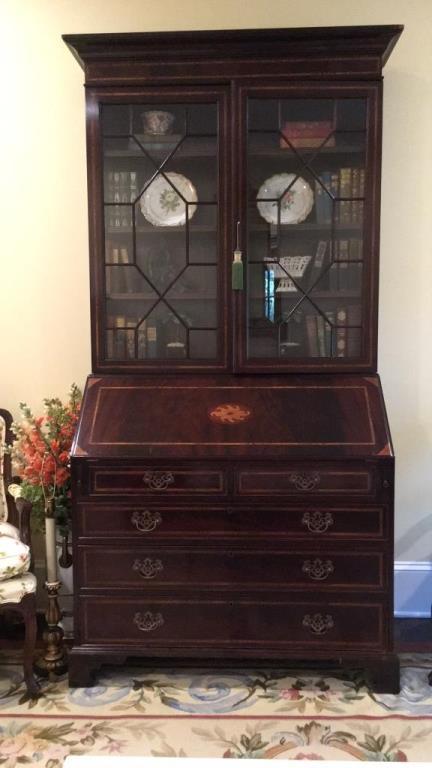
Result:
<point x="24" y="508"/>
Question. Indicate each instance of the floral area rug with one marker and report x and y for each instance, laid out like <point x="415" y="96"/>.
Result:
<point x="229" y="713"/>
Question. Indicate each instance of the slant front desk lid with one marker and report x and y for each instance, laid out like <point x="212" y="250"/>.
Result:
<point x="260" y="417"/>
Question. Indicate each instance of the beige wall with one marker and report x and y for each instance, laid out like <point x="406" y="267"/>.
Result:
<point x="44" y="306"/>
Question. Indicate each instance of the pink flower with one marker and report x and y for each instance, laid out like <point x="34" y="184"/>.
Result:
<point x="311" y="756"/>
<point x="56" y="751"/>
<point x="115" y="745"/>
<point x="291" y="693"/>
<point x="13" y="746"/>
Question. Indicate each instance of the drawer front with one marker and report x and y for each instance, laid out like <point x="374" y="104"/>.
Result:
<point x="102" y="566"/>
<point x="249" y="623"/>
<point x="307" y="481"/>
<point x="313" y="523"/>
<point x="156" y="483"/>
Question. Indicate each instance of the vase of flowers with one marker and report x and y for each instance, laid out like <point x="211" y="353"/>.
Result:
<point x="41" y="457"/>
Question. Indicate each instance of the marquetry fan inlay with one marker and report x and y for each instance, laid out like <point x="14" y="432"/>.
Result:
<point x="229" y="413"/>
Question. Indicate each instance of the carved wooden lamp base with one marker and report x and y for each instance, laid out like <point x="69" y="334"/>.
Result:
<point x="54" y="660"/>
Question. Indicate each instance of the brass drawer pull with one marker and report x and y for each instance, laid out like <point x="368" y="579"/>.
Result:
<point x="148" y="621"/>
<point x="146" y="521"/>
<point x="318" y="624"/>
<point x="304" y="481"/>
<point x="147" y="568"/>
<point x="317" y="569"/>
<point x="158" y="481"/>
<point x="317" y="522"/>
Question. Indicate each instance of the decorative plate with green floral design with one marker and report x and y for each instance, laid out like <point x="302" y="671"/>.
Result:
<point x="166" y="199"/>
<point x="289" y="192"/>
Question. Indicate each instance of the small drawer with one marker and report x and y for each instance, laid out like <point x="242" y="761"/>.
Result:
<point x="248" y="623"/>
<point x="312" y="523"/>
<point x="305" y="481"/>
<point x="145" y="481"/>
<point x="102" y="566"/>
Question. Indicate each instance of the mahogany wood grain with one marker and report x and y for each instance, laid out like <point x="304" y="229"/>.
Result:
<point x="261" y="623"/>
<point x="342" y="52"/>
<point x="227" y="569"/>
<point x="244" y="476"/>
<point x="156" y="417"/>
<point x="320" y="523"/>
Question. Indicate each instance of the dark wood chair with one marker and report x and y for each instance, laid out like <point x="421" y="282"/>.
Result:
<point x="17" y="591"/>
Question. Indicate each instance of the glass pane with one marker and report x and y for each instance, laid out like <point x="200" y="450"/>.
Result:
<point x="161" y="183"/>
<point x="307" y="192"/>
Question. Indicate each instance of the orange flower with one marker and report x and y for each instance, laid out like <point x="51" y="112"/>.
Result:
<point x="41" y="452"/>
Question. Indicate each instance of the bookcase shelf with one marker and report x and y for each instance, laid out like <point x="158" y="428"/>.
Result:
<point x="153" y="230"/>
<point x="316" y="295"/>
<point x="169" y="297"/>
<point x="257" y="150"/>
<point x="303" y="153"/>
<point x="310" y="227"/>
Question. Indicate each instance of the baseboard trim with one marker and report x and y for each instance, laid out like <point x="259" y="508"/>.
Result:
<point x="413" y="589"/>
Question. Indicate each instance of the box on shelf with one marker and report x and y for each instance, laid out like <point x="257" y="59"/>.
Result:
<point x="310" y="133"/>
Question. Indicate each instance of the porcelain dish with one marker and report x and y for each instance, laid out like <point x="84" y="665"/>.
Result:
<point x="294" y="193"/>
<point x="163" y="202"/>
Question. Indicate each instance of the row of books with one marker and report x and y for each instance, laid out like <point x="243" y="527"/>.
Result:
<point x="119" y="280"/>
<point x="336" y="266"/>
<point x="150" y="340"/>
<point x="345" y="273"/>
<point x="342" y="183"/>
<point x="126" y="342"/>
<point x="339" y="337"/>
<point x="122" y="189"/>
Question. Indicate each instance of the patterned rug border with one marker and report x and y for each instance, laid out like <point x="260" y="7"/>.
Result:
<point x="276" y="716"/>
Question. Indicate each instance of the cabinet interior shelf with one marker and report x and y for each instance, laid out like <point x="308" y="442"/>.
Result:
<point x="196" y="229"/>
<point x="295" y="295"/>
<point x="255" y="150"/>
<point x="308" y="227"/>
<point x="151" y="297"/>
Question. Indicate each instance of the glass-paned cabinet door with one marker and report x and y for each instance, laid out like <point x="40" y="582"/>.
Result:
<point x="163" y="189"/>
<point x="307" y="238"/>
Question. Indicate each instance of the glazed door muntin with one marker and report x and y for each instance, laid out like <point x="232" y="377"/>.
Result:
<point x="348" y="316"/>
<point x="159" y="297"/>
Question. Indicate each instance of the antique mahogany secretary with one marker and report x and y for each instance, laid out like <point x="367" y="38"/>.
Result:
<point x="233" y="474"/>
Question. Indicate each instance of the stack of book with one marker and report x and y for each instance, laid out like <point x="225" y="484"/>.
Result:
<point x="308" y="133"/>
<point x="345" y="186"/>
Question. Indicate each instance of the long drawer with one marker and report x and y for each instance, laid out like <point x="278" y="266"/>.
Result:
<point x="314" y="522"/>
<point x="275" y="622"/>
<point x="115" y="567"/>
